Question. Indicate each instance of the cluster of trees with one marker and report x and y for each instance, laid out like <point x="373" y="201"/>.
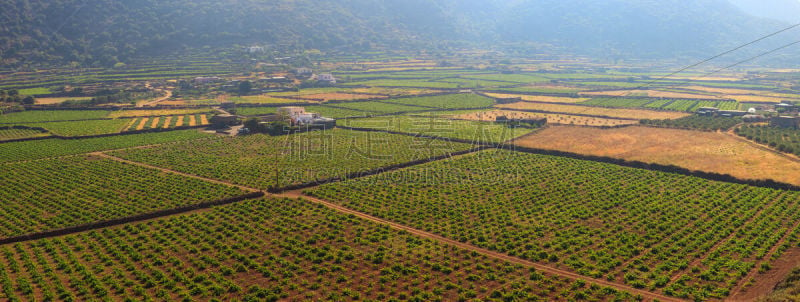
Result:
<point x="783" y="139"/>
<point x="13" y="96"/>
<point x="695" y="122"/>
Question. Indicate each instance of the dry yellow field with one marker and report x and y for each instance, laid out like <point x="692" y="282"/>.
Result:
<point x="52" y="101"/>
<point x="694" y="150"/>
<point x="538" y="98"/>
<point x="552" y="118"/>
<point x="264" y="99"/>
<point x="650" y="93"/>
<point x="179" y="121"/>
<point x="612" y="112"/>
<point x="141" y="113"/>
<point x="142" y="123"/>
<point x="757" y="98"/>
<point x="393" y="91"/>
<point x="167" y="122"/>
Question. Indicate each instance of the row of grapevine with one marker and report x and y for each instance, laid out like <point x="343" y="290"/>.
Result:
<point x="52" y="194"/>
<point x="636" y="226"/>
<point x="268" y="250"/>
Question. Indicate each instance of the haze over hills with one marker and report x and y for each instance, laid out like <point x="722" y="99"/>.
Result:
<point x="783" y="10"/>
<point x="103" y="32"/>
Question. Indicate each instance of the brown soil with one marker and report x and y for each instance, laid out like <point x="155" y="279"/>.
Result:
<point x="694" y="150"/>
<point x="167" y="122"/>
<point x="142" y="123"/>
<point x="765" y="283"/>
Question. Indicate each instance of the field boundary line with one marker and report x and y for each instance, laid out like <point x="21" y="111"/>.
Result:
<point x="485" y="252"/>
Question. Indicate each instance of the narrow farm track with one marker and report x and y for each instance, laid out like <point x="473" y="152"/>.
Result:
<point x="544" y="268"/>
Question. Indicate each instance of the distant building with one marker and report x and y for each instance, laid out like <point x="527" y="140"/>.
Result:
<point x="754" y="118"/>
<point x="299" y="116"/>
<point x="224" y="120"/>
<point x="784" y="121"/>
<point x="255" y="49"/>
<point x="207" y="80"/>
<point x="707" y="111"/>
<point x="326" y="77"/>
<point x="303" y="72"/>
<point x="731" y="113"/>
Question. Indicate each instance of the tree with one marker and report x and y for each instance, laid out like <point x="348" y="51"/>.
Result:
<point x="28" y="100"/>
<point x="245" y="87"/>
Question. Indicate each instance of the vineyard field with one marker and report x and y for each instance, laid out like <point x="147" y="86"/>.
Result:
<point x="83" y="128"/>
<point x="379" y="107"/>
<point x="29" y="150"/>
<point x="36" y="116"/>
<point x="266" y="250"/>
<point x="785" y="140"/>
<point x="9" y="133"/>
<point x="165" y="122"/>
<point x="598" y="111"/>
<point x="437" y="126"/>
<point x="57" y="193"/>
<point x="685" y="236"/>
<point x="450" y="101"/>
<point x="263" y="161"/>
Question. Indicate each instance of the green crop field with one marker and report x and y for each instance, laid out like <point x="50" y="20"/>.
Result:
<point x="51" y="194"/>
<point x="30" y="150"/>
<point x="436" y="126"/>
<point x="267" y="250"/>
<point x="405" y="83"/>
<point x="264" y="162"/>
<point x="449" y="101"/>
<point x="684" y="236"/>
<point x="50" y="116"/>
<point x="379" y="107"/>
<point x="8" y="133"/>
<point x="82" y="128"/>
<point x="783" y="139"/>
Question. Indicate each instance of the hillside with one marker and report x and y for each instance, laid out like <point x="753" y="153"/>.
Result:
<point x="784" y="10"/>
<point x="103" y="32"/>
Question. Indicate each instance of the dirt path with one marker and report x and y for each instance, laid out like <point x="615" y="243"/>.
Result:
<point x="167" y="95"/>
<point x="489" y="253"/>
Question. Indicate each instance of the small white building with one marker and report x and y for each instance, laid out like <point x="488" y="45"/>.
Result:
<point x="292" y="112"/>
<point x="326" y="77"/>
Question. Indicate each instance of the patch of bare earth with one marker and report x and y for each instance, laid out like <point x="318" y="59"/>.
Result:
<point x="694" y="150"/>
